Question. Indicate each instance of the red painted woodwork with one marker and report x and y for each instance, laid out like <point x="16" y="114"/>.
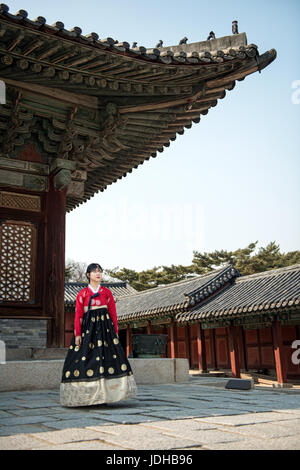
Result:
<point x="212" y="339"/>
<point x="68" y="338"/>
<point x="128" y="341"/>
<point x="172" y="340"/>
<point x="201" y="349"/>
<point x="267" y="357"/>
<point x="253" y="357"/>
<point x="233" y="350"/>
<point x="251" y="336"/>
<point x="222" y="355"/>
<point x="181" y="346"/>
<point x="33" y="309"/>
<point x="252" y="349"/>
<point x="69" y="321"/>
<point x="278" y="352"/>
<point x="210" y="349"/>
<point x="30" y="154"/>
<point x="181" y="349"/>
<point x="54" y="269"/>
<point x="69" y="327"/>
<point x="182" y="338"/>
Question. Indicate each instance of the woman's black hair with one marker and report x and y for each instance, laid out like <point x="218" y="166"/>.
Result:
<point x="91" y="267"/>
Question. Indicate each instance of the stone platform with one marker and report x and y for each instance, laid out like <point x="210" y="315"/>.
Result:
<point x="43" y="374"/>
<point x="199" y="414"/>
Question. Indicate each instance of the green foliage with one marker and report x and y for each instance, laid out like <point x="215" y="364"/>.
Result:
<point x="247" y="260"/>
<point x="151" y="277"/>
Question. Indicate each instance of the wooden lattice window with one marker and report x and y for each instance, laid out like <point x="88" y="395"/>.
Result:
<point x="17" y="261"/>
<point x="23" y="202"/>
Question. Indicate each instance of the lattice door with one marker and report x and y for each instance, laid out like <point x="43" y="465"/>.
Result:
<point x="17" y="261"/>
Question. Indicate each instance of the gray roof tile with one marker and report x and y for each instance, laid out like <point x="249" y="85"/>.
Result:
<point x="256" y="293"/>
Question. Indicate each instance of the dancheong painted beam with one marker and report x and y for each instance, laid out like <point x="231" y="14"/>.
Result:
<point x="101" y="104"/>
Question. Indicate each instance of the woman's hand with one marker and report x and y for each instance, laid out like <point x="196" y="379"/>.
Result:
<point x="78" y="340"/>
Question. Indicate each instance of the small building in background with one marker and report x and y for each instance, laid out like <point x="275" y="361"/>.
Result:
<point x="223" y="321"/>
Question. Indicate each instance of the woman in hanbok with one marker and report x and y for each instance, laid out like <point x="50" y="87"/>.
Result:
<point x="96" y="369"/>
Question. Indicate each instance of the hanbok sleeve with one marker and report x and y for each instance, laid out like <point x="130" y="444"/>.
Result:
<point x="112" y="310"/>
<point x="78" y="314"/>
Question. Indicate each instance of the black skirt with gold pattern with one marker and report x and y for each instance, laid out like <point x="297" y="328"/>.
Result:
<point x="98" y="371"/>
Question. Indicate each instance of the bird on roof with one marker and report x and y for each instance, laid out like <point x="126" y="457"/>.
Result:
<point x="183" y="41"/>
<point x="235" y="27"/>
<point x="159" y="44"/>
<point x="211" y="36"/>
<point x="134" y="44"/>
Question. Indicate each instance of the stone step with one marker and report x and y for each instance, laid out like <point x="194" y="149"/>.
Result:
<point x="43" y="374"/>
<point x="26" y="354"/>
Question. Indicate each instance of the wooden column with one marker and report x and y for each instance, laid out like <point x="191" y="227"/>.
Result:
<point x="202" y="366"/>
<point x="128" y="340"/>
<point x="149" y="328"/>
<point x="187" y="343"/>
<point x="233" y="350"/>
<point x="278" y="352"/>
<point x="244" y="348"/>
<point x="54" y="268"/>
<point x="259" y="350"/>
<point x="190" y="344"/>
<point x="173" y="339"/>
<point x="212" y="337"/>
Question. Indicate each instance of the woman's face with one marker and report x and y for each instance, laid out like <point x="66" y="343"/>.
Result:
<point x="96" y="275"/>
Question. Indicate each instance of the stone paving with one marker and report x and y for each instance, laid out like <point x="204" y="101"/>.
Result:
<point x="196" y="415"/>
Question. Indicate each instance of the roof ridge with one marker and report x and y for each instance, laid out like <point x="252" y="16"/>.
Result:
<point x="235" y="43"/>
<point x="182" y="281"/>
<point x="226" y="269"/>
<point x="269" y="272"/>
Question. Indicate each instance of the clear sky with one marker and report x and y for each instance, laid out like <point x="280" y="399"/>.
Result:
<point x="228" y="181"/>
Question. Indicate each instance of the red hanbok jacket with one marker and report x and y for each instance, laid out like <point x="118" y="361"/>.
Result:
<point x="82" y="301"/>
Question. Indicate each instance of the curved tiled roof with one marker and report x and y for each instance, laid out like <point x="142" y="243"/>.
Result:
<point x="168" y="299"/>
<point x="212" y="286"/>
<point x="220" y="294"/>
<point x="208" y="53"/>
<point x="268" y="291"/>
<point x="118" y="289"/>
<point x="103" y="104"/>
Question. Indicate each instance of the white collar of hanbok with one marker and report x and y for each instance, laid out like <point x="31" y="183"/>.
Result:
<point x="93" y="290"/>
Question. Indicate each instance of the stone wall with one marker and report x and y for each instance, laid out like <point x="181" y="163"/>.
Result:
<point x="46" y="374"/>
<point x="23" y="333"/>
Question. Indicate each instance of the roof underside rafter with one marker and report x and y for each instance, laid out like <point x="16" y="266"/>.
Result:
<point x="102" y="104"/>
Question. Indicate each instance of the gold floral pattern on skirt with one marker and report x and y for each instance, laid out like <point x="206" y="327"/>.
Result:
<point x="98" y="371"/>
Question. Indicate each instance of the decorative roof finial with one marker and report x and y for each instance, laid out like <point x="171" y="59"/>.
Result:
<point x="134" y="44"/>
<point x="159" y="44"/>
<point x="211" y="36"/>
<point x="235" y="27"/>
<point x="183" y="41"/>
<point x="3" y="8"/>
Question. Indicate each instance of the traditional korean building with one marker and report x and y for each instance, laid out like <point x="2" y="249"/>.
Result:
<point x="77" y="113"/>
<point x="222" y="320"/>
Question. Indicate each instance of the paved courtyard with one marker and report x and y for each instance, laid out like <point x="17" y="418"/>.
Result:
<point x="197" y="415"/>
